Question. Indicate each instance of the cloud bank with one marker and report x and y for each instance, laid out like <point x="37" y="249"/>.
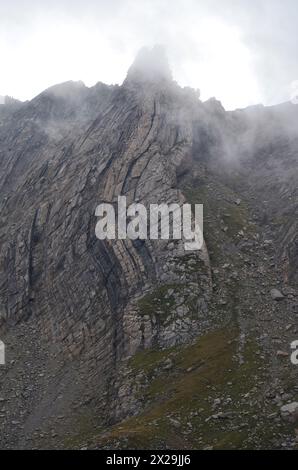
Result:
<point x="243" y="52"/>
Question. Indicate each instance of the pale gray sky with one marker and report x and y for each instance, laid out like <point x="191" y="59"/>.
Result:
<point x="240" y="51"/>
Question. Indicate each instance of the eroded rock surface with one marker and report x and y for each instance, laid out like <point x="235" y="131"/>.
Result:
<point x="75" y="310"/>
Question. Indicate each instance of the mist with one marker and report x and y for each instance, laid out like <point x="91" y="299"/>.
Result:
<point x="242" y="52"/>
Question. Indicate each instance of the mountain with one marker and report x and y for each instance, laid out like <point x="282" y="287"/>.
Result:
<point x="139" y="343"/>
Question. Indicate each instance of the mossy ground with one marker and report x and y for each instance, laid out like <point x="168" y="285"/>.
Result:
<point x="160" y="302"/>
<point x="179" y="402"/>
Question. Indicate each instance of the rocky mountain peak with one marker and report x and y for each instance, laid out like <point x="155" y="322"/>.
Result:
<point x="150" y="65"/>
<point x="8" y="101"/>
<point x="66" y="89"/>
<point x="92" y="328"/>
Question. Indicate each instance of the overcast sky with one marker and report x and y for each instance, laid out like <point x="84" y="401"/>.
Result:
<point x="241" y="51"/>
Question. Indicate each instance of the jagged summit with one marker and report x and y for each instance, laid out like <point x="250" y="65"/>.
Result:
<point x="8" y="100"/>
<point x="150" y="65"/>
<point x="64" y="90"/>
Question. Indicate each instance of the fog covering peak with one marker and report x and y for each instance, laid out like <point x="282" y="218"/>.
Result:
<point x="150" y="65"/>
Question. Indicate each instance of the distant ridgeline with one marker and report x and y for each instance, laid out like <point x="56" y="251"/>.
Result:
<point x="8" y="100"/>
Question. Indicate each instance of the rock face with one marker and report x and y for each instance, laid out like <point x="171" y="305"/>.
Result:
<point x="74" y="309"/>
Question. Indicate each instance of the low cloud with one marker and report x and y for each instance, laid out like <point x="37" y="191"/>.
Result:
<point x="243" y="52"/>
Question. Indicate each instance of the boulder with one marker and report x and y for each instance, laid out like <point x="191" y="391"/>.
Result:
<point x="276" y="295"/>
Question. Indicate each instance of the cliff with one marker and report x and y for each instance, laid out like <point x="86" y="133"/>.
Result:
<point x="143" y="333"/>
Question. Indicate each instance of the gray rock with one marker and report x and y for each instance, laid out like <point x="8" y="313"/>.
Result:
<point x="74" y="309"/>
<point x="289" y="412"/>
<point x="276" y="294"/>
<point x="290" y="408"/>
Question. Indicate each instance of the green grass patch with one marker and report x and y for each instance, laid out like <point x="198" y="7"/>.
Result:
<point x="208" y="369"/>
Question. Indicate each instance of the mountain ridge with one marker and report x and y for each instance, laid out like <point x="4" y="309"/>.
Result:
<point x="76" y="311"/>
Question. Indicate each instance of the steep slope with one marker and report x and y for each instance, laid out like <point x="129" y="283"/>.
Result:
<point x="98" y="331"/>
